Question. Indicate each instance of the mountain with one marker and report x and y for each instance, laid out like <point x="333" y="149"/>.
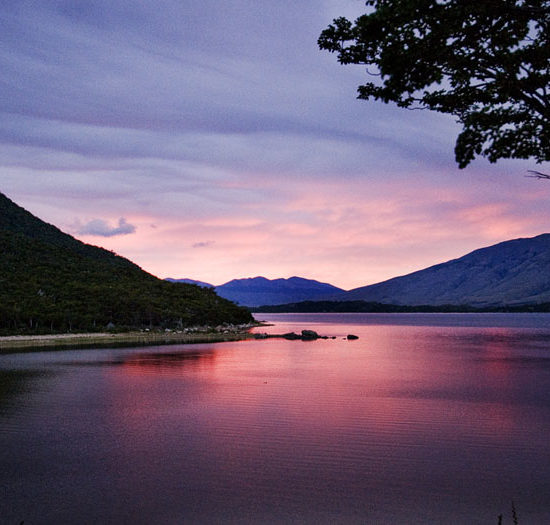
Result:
<point x="258" y="291"/>
<point x="190" y="281"/>
<point x="50" y="281"/>
<point x="513" y="272"/>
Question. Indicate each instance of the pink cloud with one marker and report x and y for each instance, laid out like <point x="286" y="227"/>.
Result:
<point x="347" y="232"/>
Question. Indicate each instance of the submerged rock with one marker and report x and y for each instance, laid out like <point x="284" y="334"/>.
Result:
<point x="351" y="337"/>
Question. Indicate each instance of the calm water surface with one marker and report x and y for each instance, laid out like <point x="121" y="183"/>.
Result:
<point x="427" y="418"/>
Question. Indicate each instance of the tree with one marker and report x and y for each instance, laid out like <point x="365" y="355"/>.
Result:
<point x="487" y="62"/>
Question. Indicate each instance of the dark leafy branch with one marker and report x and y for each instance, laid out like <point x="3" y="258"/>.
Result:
<point x="485" y="62"/>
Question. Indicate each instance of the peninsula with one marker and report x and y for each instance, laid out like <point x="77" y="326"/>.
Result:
<point x="52" y="283"/>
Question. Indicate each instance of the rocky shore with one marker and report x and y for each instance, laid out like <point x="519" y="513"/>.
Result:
<point x="196" y="334"/>
<point x="192" y="335"/>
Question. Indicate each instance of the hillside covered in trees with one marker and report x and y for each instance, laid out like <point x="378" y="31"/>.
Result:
<point x="51" y="282"/>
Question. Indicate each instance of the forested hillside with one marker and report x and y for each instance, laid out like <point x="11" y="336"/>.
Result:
<point x="51" y="282"/>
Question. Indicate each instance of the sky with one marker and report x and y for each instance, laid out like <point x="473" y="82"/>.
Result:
<point x="213" y="140"/>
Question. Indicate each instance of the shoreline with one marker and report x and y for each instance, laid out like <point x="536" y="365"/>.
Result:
<point x="32" y="343"/>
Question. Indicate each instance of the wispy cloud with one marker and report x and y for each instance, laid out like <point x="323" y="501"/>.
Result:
<point x="203" y="244"/>
<point x="225" y="127"/>
<point x="102" y="228"/>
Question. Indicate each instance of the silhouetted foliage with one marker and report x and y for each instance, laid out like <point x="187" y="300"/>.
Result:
<point x="51" y="282"/>
<point x="485" y="62"/>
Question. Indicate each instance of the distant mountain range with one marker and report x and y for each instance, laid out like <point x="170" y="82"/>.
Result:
<point x="256" y="291"/>
<point x="52" y="282"/>
<point x="511" y="273"/>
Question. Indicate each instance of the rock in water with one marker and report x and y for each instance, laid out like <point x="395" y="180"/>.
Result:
<point x="309" y="335"/>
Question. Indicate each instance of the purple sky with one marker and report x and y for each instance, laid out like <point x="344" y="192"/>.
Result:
<point x="213" y="140"/>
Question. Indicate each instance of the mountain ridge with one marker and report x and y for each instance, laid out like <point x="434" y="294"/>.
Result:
<point x="189" y="281"/>
<point x="52" y="282"/>
<point x="259" y="290"/>
<point x="511" y="272"/>
<point x="255" y="291"/>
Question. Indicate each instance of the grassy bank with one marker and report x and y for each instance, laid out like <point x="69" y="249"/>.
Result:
<point x="29" y="343"/>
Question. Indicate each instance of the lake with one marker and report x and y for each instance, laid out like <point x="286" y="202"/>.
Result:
<point x="426" y="418"/>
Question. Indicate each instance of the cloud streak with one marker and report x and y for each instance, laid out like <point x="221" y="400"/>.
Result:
<point x="203" y="244"/>
<point x="224" y="126"/>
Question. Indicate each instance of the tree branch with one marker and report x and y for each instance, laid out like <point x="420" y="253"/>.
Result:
<point x="538" y="175"/>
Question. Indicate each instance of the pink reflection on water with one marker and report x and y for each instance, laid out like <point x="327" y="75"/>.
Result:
<point x="410" y="423"/>
<point x="168" y="363"/>
<point x="403" y="409"/>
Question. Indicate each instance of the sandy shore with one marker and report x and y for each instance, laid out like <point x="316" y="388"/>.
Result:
<point x="25" y="343"/>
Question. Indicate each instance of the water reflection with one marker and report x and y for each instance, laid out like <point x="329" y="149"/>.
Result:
<point x="409" y="424"/>
<point x="161" y="361"/>
<point x="168" y="363"/>
<point x="15" y="387"/>
<point x="13" y="382"/>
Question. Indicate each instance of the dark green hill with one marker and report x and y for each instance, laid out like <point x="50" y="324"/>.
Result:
<point x="51" y="282"/>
